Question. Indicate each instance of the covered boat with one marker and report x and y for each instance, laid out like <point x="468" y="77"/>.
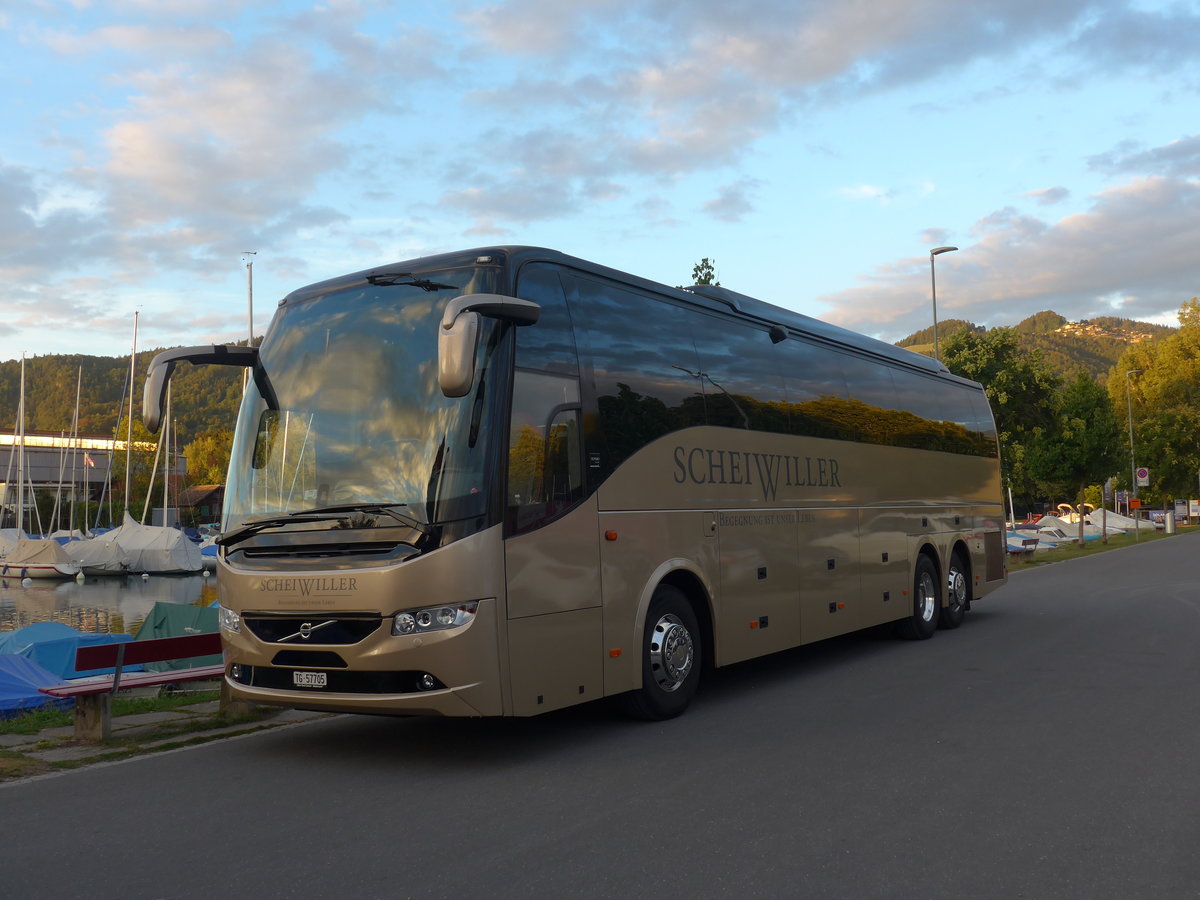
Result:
<point x="20" y="679"/>
<point x="176" y="620"/>
<point x="157" y="550"/>
<point x="37" y="558"/>
<point x="100" y="555"/>
<point x="52" y="646"/>
<point x="134" y="548"/>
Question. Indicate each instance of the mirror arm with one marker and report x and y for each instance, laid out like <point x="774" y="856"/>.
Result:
<point x="161" y="367"/>
<point x="496" y="306"/>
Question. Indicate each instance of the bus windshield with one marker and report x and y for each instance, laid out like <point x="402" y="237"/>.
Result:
<point x="358" y="418"/>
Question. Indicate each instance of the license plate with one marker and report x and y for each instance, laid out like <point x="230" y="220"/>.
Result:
<point x="309" y="679"/>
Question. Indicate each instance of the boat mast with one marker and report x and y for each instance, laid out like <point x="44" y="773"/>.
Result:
<point x="21" y="453"/>
<point x="75" y="455"/>
<point x="129" y="424"/>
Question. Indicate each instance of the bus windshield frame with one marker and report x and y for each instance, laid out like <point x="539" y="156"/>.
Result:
<point x="358" y="420"/>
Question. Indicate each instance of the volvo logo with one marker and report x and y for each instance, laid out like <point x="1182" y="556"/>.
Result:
<point x="306" y="630"/>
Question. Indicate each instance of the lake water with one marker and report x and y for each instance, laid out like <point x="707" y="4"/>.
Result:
<point x="101" y="604"/>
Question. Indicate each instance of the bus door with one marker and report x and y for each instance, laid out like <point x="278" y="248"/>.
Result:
<point x="551" y="553"/>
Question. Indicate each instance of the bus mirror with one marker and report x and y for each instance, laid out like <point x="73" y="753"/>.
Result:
<point x="163" y="365"/>
<point x="456" y="355"/>
<point x="460" y="327"/>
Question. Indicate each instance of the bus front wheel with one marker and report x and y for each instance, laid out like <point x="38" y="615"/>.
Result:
<point x="927" y="603"/>
<point x="670" y="657"/>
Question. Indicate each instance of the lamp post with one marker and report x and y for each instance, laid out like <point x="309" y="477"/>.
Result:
<point x="1129" y="404"/>
<point x="250" y="293"/>
<point x="250" y="308"/>
<point x="937" y="350"/>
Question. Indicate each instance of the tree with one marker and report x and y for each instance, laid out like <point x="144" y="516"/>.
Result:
<point x="208" y="457"/>
<point x="1084" y="447"/>
<point x="1157" y="385"/>
<point x="1022" y="391"/>
<point x="141" y="462"/>
<point x="704" y="272"/>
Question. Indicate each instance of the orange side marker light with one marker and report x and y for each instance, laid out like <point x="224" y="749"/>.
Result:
<point x="610" y="535"/>
<point x="614" y="653"/>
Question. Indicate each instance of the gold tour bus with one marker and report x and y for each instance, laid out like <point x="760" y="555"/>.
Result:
<point x="505" y="481"/>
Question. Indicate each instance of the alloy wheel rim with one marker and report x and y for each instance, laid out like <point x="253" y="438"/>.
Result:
<point x="672" y="653"/>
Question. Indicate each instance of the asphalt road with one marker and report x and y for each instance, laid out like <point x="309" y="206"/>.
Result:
<point x="1048" y="748"/>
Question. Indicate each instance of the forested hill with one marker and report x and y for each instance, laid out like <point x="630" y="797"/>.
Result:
<point x="1094" y="345"/>
<point x="203" y="398"/>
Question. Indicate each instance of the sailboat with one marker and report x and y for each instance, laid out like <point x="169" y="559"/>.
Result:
<point x="32" y="557"/>
<point x="137" y="548"/>
<point x="103" y="554"/>
<point x="159" y="548"/>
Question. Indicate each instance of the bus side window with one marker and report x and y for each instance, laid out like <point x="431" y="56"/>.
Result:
<point x="545" y="469"/>
<point x="548" y="346"/>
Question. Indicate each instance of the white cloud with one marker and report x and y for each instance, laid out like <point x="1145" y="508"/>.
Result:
<point x="733" y="201"/>
<point x="1049" y="196"/>
<point x="866" y="192"/>
<point x="1137" y="241"/>
<point x="1180" y="158"/>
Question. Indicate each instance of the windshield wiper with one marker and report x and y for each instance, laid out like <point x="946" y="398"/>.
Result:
<point x="393" y="279"/>
<point x="323" y="514"/>
<point x="388" y="509"/>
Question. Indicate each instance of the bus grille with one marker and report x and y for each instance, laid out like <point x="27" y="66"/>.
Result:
<point x="290" y="629"/>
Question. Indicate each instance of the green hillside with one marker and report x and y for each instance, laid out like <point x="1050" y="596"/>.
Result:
<point x="1093" y="345"/>
<point x="204" y="398"/>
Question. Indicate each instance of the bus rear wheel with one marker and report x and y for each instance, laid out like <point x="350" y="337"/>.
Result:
<point x="670" y="657"/>
<point x="927" y="603"/>
<point x="958" y="599"/>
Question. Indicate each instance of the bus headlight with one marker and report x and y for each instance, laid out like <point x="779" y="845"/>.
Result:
<point x="433" y="618"/>
<point x="229" y="620"/>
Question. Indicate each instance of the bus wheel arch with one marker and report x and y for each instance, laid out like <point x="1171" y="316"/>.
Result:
<point x="698" y="597"/>
<point x="958" y="588"/>
<point x="927" y="592"/>
<point x="673" y="648"/>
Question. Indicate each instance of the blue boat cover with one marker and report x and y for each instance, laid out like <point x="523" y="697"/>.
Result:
<point x="20" y="679"/>
<point x="52" y="646"/>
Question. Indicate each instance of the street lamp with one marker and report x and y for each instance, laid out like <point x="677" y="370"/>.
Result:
<point x="250" y="305"/>
<point x="1129" y="404"/>
<point x="937" y="351"/>
<point x="250" y="293"/>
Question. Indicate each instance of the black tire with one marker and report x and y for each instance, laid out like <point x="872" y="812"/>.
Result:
<point x="927" y="602"/>
<point x="671" y="658"/>
<point x="958" y="592"/>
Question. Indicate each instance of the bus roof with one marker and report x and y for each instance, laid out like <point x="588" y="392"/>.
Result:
<point x="707" y="296"/>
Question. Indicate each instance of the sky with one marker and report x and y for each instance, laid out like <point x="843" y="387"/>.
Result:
<point x="814" y="150"/>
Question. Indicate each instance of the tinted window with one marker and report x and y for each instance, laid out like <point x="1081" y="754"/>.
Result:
<point x="871" y="400"/>
<point x="984" y="426"/>
<point x="549" y="345"/>
<point x="742" y="375"/>
<point x="816" y="391"/>
<point x="644" y="364"/>
<point x="545" y="456"/>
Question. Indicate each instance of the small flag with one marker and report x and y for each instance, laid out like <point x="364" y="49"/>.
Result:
<point x="88" y="461"/>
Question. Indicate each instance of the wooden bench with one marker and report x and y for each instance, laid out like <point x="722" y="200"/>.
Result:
<point x="1028" y="545"/>
<point x="93" y="699"/>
